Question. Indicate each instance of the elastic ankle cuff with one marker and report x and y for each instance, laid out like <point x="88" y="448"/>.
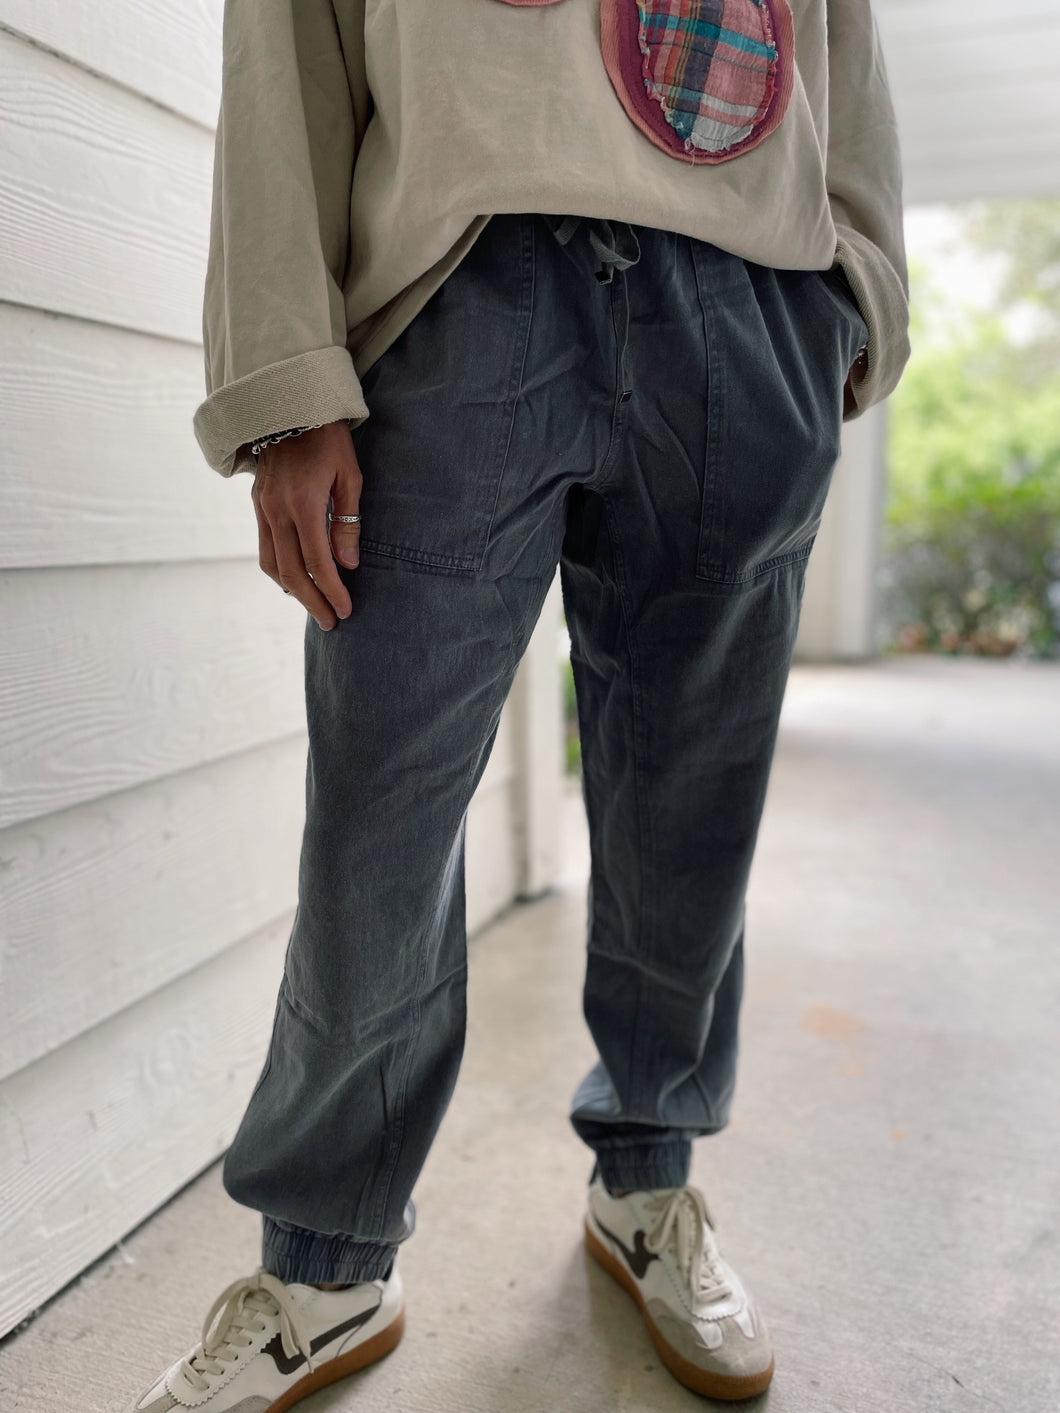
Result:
<point x="293" y="1254"/>
<point x="637" y="1166"/>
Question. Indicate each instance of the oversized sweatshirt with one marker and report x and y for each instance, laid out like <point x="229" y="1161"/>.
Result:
<point x="362" y="145"/>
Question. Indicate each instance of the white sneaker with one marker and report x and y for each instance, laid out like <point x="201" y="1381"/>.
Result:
<point x="266" y="1345"/>
<point x="706" y="1326"/>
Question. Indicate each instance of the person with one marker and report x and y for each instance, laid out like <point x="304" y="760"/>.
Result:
<point x="496" y="287"/>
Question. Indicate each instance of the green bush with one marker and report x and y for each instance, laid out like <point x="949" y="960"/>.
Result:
<point x="570" y="721"/>
<point x="972" y="537"/>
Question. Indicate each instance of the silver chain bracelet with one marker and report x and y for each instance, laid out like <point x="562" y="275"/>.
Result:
<point x="293" y="432"/>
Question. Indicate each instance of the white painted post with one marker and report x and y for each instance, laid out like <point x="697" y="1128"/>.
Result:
<point x="537" y="705"/>
<point x="839" y="607"/>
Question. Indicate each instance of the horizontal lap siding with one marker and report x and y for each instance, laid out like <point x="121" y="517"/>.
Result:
<point x="106" y="198"/>
<point x="96" y="1135"/>
<point x="114" y="676"/>
<point x="152" y="715"/>
<point x="99" y="912"/>
<point x="109" y="412"/>
<point x="167" y="50"/>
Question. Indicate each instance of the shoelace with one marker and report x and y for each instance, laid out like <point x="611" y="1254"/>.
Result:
<point x="684" y="1217"/>
<point x="238" y="1311"/>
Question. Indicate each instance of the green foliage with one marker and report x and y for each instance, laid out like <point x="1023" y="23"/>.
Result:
<point x="1027" y="235"/>
<point x="573" y="761"/>
<point x="572" y="740"/>
<point x="972" y="557"/>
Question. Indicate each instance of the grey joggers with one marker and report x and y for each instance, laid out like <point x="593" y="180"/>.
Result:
<point x="660" y="418"/>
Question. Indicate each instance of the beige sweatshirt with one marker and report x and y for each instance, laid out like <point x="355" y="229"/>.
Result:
<point x="363" y="144"/>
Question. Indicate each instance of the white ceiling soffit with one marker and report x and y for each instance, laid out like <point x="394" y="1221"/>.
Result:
<point x="976" y="84"/>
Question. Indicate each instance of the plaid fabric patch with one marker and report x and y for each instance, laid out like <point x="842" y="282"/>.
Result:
<point x="711" y="65"/>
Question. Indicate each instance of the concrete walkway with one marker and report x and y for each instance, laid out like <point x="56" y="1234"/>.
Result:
<point x="890" y="1183"/>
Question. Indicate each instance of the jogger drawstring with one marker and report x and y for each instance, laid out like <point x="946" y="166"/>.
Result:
<point x="603" y="238"/>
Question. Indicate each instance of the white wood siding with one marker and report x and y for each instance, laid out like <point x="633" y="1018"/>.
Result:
<point x="106" y="198"/>
<point x="96" y="1135"/>
<point x="126" y="482"/>
<point x="152" y="719"/>
<point x="169" y="51"/>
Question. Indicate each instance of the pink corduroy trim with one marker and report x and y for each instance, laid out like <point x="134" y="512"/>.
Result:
<point x="620" y="45"/>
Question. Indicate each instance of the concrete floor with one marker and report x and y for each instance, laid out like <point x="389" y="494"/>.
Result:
<point x="891" y="1181"/>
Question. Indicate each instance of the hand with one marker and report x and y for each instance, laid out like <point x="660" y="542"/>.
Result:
<point x="849" y="402"/>
<point x="292" y="483"/>
<point x="848" y="394"/>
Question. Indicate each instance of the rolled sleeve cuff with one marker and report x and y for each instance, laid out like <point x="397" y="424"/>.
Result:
<point x="308" y="390"/>
<point x="884" y="306"/>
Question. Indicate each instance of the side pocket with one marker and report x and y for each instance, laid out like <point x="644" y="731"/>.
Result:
<point x="704" y="80"/>
<point x="778" y="349"/>
<point x="443" y="397"/>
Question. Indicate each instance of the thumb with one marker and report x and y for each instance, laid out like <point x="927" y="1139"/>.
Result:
<point x="345" y="534"/>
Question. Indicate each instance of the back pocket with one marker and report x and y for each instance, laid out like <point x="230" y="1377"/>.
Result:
<point x="704" y="80"/>
<point x="779" y="345"/>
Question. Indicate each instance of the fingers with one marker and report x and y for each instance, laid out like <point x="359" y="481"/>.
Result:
<point x="315" y="554"/>
<point x="292" y="485"/>
<point x="322" y="543"/>
<point x="294" y="578"/>
<point x="266" y="548"/>
<point x="280" y="554"/>
<point x="346" y="538"/>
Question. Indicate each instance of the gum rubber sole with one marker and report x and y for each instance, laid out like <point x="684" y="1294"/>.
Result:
<point x="698" y="1380"/>
<point x="340" y="1368"/>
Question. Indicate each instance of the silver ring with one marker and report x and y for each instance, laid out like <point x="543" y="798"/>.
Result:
<point x="344" y="519"/>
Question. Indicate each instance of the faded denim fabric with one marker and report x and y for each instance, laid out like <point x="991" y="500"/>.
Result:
<point x="661" y="419"/>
